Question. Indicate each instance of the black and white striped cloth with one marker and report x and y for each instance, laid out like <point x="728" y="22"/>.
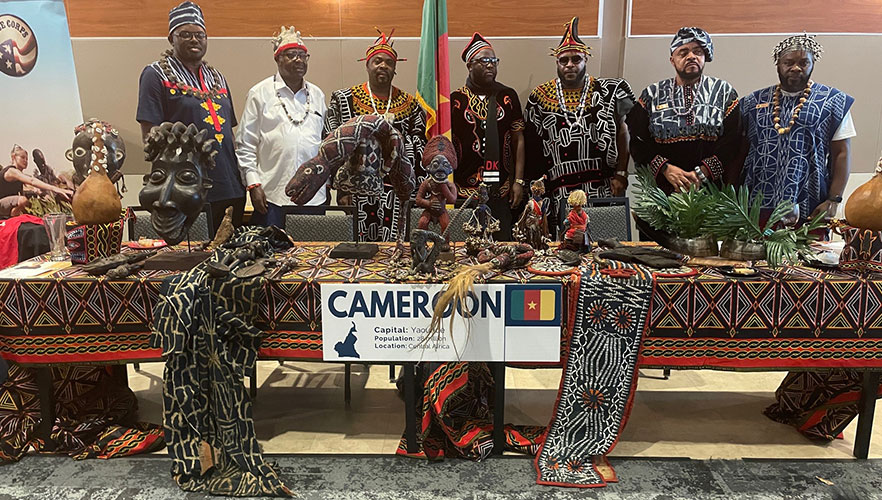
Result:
<point x="210" y="76"/>
<point x="185" y="13"/>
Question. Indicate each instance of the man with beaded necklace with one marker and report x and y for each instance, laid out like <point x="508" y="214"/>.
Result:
<point x="687" y="129"/>
<point x="378" y="217"/>
<point x="798" y="134"/>
<point x="281" y="129"/>
<point x="182" y="87"/>
<point x="576" y="133"/>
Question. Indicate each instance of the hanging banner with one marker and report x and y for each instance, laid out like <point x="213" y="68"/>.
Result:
<point x="38" y="82"/>
<point x="390" y="322"/>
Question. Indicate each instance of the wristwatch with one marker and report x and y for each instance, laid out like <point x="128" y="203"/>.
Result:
<point x="520" y="181"/>
<point x="835" y="199"/>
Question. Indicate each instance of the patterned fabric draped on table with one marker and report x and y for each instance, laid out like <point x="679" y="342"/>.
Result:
<point x="95" y="415"/>
<point x="204" y="326"/>
<point x="599" y="379"/>
<point x="455" y="415"/>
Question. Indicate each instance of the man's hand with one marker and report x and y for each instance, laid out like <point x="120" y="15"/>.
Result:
<point x="827" y="209"/>
<point x="515" y="194"/>
<point x="618" y="184"/>
<point x="681" y="179"/>
<point x="258" y="199"/>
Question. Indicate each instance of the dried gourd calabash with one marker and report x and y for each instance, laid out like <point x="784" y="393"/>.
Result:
<point x="96" y="200"/>
<point x="864" y="207"/>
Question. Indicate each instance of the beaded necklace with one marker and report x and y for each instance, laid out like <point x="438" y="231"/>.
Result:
<point x="214" y="92"/>
<point x="580" y="111"/>
<point x="776" y="109"/>
<point x="285" y="108"/>
<point x="390" y="117"/>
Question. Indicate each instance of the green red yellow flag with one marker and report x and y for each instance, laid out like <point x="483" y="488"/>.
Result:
<point x="533" y="305"/>
<point x="433" y="68"/>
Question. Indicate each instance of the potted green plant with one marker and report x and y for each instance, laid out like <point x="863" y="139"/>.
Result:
<point x="735" y="219"/>
<point x="678" y="221"/>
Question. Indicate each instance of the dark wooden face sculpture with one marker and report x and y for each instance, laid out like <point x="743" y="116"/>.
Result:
<point x="80" y="153"/>
<point x="174" y="190"/>
<point x="361" y="155"/>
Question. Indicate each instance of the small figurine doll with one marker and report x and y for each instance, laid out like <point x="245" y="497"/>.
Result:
<point x="439" y="161"/>
<point x="576" y="234"/>
<point x="481" y="225"/>
<point x="532" y="227"/>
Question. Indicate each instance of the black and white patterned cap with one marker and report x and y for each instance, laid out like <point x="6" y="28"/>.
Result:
<point x="185" y="13"/>
<point x="692" y="34"/>
<point x="798" y="42"/>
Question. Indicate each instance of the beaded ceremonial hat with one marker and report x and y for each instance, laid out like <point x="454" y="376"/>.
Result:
<point x="688" y="34"/>
<point x="571" y="40"/>
<point x="382" y="44"/>
<point x="288" y="38"/>
<point x="475" y="45"/>
<point x="798" y="42"/>
<point x="185" y="13"/>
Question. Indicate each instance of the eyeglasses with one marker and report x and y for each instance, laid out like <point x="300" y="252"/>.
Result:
<point x="487" y="61"/>
<point x="293" y="56"/>
<point x="190" y="35"/>
<point x="563" y="61"/>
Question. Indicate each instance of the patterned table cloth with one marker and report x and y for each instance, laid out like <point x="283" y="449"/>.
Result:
<point x="790" y="318"/>
<point x="71" y="317"/>
<point x="795" y="317"/>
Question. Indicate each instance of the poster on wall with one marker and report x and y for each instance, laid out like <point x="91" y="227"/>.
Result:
<point x="41" y="102"/>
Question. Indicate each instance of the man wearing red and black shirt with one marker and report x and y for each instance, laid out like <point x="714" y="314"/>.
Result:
<point x="488" y="151"/>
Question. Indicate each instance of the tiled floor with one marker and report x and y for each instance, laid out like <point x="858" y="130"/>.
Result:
<point x="695" y="414"/>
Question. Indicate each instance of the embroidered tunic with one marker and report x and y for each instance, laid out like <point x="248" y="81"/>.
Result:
<point x="687" y="126"/>
<point x="160" y="100"/>
<point x="378" y="217"/>
<point x="795" y="166"/>
<point x="583" y="155"/>
<point x="469" y="125"/>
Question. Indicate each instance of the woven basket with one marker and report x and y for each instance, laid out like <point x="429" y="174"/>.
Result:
<point x="95" y="241"/>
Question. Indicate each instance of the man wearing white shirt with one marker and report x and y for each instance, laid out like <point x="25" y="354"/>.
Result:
<point x="280" y="129"/>
<point x="798" y="134"/>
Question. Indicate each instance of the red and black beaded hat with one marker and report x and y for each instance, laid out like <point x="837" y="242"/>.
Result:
<point x="571" y="40"/>
<point x="475" y="45"/>
<point x="382" y="44"/>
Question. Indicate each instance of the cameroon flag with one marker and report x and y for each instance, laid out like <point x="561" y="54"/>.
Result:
<point x="533" y="305"/>
<point x="433" y="69"/>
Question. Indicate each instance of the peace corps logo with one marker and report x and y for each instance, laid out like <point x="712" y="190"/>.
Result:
<point x="18" y="46"/>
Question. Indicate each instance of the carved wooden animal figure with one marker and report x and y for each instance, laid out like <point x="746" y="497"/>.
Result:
<point x="360" y="155"/>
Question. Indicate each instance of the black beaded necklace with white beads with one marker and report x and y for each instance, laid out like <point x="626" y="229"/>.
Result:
<point x="212" y="93"/>
<point x="285" y="108"/>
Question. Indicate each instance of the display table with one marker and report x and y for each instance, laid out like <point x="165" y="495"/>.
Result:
<point x="71" y="317"/>
<point x="792" y="319"/>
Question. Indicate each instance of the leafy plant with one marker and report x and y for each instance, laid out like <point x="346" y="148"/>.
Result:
<point x="736" y="216"/>
<point x="723" y="213"/>
<point x="683" y="214"/>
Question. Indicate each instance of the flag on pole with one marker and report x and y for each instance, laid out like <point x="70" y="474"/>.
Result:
<point x="433" y="69"/>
